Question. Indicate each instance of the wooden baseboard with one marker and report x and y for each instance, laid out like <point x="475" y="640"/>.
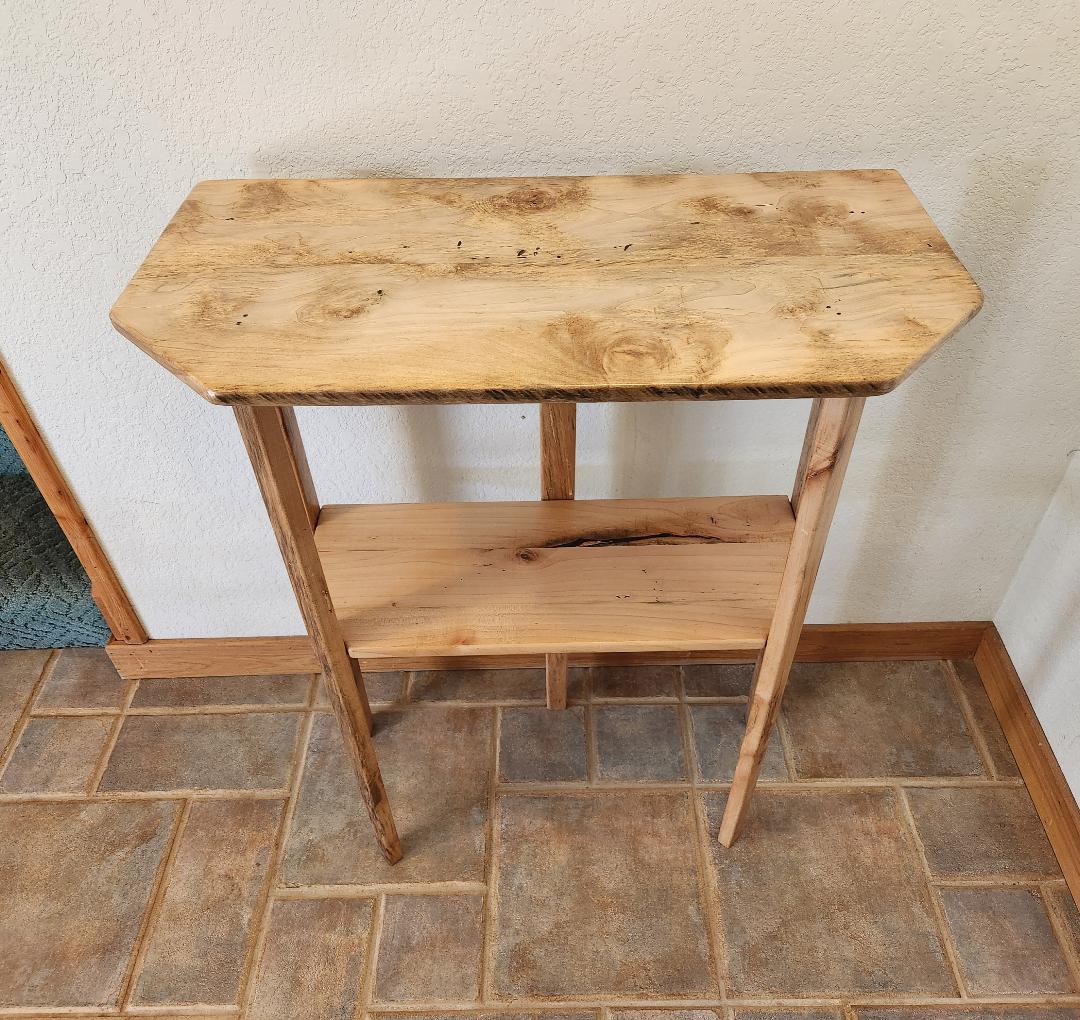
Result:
<point x="1045" y="781"/>
<point x="256" y="656"/>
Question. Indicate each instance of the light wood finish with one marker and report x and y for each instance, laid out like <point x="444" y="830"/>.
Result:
<point x="255" y="656"/>
<point x="804" y="458"/>
<point x="565" y="576"/>
<point x="1045" y="781"/>
<point x="556" y="666"/>
<point x="558" y="449"/>
<point x="105" y="587"/>
<point x="832" y="429"/>
<point x="276" y="455"/>
<point x="558" y="467"/>
<point x="386" y="291"/>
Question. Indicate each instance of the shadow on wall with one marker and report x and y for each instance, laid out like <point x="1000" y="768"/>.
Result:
<point x="939" y="413"/>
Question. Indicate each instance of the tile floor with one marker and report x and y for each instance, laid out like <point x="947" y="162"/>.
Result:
<point x="171" y="847"/>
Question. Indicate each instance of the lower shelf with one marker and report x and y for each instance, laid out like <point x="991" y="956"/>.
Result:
<point x="566" y="576"/>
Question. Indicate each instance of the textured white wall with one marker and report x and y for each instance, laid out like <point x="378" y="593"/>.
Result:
<point x="1039" y="620"/>
<point x="110" y="110"/>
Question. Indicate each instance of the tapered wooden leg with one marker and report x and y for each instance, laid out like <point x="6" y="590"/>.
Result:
<point x="826" y="450"/>
<point x="556" y="666"/>
<point x="558" y="458"/>
<point x="273" y="444"/>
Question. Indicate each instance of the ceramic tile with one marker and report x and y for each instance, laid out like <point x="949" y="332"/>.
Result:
<point x="436" y="764"/>
<point x="541" y="745"/>
<point x="718" y="732"/>
<point x="429" y="949"/>
<point x="972" y="832"/>
<point x="76" y="882"/>
<point x="1005" y="943"/>
<point x="824" y="895"/>
<point x="986" y="719"/>
<point x="638" y="743"/>
<point x="204" y="929"/>
<point x="202" y="691"/>
<point x="859" y="719"/>
<point x="717" y="679"/>
<point x="313" y="960"/>
<point x="599" y="895"/>
<point x="82" y="678"/>
<point x="57" y="755"/>
<point x="234" y="751"/>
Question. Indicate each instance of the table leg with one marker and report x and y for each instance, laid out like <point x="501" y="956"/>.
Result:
<point x="830" y="434"/>
<point x="273" y="444"/>
<point x="558" y="456"/>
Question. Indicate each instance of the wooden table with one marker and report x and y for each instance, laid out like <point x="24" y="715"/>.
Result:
<point x="266" y="294"/>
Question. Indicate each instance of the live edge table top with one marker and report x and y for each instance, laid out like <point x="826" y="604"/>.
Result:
<point x="398" y="291"/>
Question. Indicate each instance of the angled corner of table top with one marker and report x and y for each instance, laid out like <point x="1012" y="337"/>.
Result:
<point x="383" y="291"/>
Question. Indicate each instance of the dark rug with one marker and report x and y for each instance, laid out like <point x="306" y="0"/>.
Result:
<point x="44" y="591"/>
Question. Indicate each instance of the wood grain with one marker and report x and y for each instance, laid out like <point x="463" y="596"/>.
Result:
<point x="831" y="429"/>
<point x="1042" y="774"/>
<point x="559" y="576"/>
<point x="254" y="656"/>
<point x="274" y="452"/>
<point x="105" y="587"/>
<point x="558" y="467"/>
<point x="558" y="450"/>
<point x="530" y="289"/>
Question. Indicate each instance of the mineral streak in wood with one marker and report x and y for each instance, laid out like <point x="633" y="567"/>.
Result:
<point x="831" y="434"/>
<point x="274" y="457"/>
<point x="529" y="289"/>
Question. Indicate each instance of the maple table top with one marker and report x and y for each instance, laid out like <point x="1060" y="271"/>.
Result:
<point x="388" y="291"/>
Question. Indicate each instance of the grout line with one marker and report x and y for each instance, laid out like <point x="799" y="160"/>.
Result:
<point x="8" y="750"/>
<point x="371" y="961"/>
<point x="808" y="786"/>
<point x="367" y="892"/>
<point x="296" y="774"/>
<point x="989" y="881"/>
<point x="313" y="690"/>
<point x="948" y="945"/>
<point x="490" y="919"/>
<point x="977" y="736"/>
<point x="1061" y="932"/>
<point x="157" y="899"/>
<point x="710" y="897"/>
<point x="282" y="708"/>
<point x="606" y="1002"/>
<point x="181" y="1010"/>
<point x="128" y="795"/>
<point x="107" y="749"/>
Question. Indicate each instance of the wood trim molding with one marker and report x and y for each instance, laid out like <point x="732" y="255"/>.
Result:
<point x="105" y="587"/>
<point x="1045" y="781"/>
<point x="178" y="657"/>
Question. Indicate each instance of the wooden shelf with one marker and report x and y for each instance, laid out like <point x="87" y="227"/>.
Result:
<point x="565" y="576"/>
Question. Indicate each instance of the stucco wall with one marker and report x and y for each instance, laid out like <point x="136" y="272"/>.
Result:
<point x="112" y="110"/>
<point x="1039" y="620"/>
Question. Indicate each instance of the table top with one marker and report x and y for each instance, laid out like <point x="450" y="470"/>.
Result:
<point x="387" y="291"/>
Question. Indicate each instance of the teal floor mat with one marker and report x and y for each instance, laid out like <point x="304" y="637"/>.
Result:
<point x="44" y="591"/>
